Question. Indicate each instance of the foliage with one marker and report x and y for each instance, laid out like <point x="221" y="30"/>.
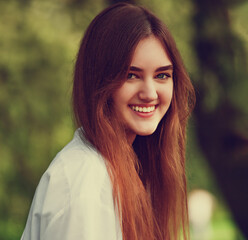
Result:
<point x="35" y="75"/>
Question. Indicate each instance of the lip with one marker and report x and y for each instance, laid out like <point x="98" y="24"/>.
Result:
<point x="144" y="114"/>
<point x="144" y="105"/>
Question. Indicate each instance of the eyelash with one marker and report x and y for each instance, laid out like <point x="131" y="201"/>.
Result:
<point x="165" y="76"/>
<point x="131" y="76"/>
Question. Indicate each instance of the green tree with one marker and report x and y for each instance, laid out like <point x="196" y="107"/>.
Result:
<point x="221" y="112"/>
<point x="35" y="80"/>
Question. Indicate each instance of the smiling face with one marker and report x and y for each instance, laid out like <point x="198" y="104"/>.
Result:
<point x="144" y="98"/>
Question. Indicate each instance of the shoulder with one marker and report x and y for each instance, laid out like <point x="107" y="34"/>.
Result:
<point x="76" y="184"/>
<point x="79" y="166"/>
<point x="77" y="169"/>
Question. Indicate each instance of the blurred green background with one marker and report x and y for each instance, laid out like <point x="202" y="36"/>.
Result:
<point x="38" y="46"/>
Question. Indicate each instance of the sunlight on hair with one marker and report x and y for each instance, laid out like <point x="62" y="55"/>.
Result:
<point x="201" y="205"/>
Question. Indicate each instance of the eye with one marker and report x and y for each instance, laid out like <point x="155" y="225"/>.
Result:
<point x="163" y="75"/>
<point x="131" y="76"/>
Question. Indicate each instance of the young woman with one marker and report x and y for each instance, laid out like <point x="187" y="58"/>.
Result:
<point x="122" y="176"/>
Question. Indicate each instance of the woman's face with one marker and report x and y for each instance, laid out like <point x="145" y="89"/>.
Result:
<point x="144" y="98"/>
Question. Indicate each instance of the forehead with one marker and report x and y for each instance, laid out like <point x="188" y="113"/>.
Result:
<point x="150" y="51"/>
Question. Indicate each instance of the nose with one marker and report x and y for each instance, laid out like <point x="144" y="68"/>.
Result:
<point x="148" y="91"/>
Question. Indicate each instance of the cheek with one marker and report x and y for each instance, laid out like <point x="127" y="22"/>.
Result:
<point x="170" y="96"/>
<point x="166" y="95"/>
<point x="123" y="95"/>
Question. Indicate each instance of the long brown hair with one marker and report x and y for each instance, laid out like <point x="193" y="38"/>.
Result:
<point x="149" y="184"/>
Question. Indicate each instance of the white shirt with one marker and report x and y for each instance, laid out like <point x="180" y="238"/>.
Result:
<point x="74" y="198"/>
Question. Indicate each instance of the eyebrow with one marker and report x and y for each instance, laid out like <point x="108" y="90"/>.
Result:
<point x="163" y="68"/>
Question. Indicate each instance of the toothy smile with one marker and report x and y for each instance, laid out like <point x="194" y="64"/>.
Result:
<point x="143" y="109"/>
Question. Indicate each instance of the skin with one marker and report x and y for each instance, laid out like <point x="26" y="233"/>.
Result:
<point x="144" y="98"/>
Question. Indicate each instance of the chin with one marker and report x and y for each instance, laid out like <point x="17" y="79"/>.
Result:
<point x="146" y="132"/>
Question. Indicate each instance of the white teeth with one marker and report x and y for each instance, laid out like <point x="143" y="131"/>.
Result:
<point x="143" y="109"/>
